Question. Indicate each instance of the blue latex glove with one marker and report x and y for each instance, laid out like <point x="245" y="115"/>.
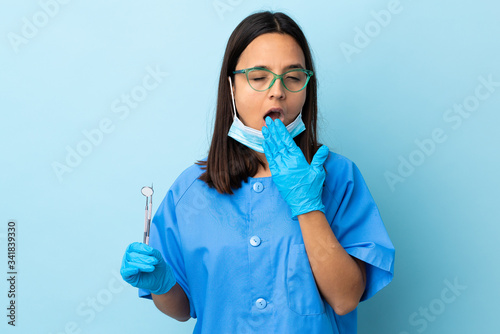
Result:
<point x="144" y="267"/>
<point x="300" y="184"/>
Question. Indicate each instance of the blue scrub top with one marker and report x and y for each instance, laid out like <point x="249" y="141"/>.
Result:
<point x="241" y="259"/>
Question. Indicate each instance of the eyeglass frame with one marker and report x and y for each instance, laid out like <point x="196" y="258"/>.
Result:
<point x="309" y="74"/>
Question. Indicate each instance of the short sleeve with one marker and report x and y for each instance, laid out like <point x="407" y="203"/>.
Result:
<point x="357" y="224"/>
<point x="164" y="236"/>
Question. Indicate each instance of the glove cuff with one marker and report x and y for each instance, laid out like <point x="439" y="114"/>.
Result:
<point x="165" y="287"/>
<point x="309" y="208"/>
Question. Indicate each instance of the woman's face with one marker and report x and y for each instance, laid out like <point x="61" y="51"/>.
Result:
<point x="278" y="53"/>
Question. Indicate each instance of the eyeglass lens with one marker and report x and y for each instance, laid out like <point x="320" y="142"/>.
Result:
<point x="261" y="80"/>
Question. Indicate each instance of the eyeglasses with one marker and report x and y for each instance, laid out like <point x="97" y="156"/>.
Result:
<point x="261" y="79"/>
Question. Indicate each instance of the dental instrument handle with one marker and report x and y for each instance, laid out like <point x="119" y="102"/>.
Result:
<point x="148" y="226"/>
<point x="150" y="209"/>
<point x="145" y="225"/>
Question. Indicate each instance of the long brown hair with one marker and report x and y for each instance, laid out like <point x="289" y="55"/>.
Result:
<point x="229" y="162"/>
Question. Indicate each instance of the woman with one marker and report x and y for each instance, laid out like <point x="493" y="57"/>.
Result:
<point x="272" y="232"/>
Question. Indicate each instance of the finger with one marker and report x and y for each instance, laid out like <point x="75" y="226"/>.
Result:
<point x="271" y="134"/>
<point x="269" y="156"/>
<point x="265" y="132"/>
<point x="267" y="150"/>
<point x="272" y="130"/>
<point x="141" y="258"/>
<point x="128" y="273"/>
<point x="320" y="156"/>
<point x="278" y="136"/>
<point x="268" y="120"/>
<point x="272" y="152"/>
<point x="285" y="136"/>
<point x="141" y="262"/>
<point x="140" y="267"/>
<point x="269" y="138"/>
<point x="140" y="247"/>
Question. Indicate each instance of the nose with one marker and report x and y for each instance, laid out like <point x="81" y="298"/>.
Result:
<point x="277" y="90"/>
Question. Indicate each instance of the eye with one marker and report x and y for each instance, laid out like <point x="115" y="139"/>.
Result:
<point x="291" y="77"/>
<point x="258" y="75"/>
<point x="295" y="76"/>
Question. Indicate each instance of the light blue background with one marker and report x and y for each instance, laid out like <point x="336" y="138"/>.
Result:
<point x="72" y="231"/>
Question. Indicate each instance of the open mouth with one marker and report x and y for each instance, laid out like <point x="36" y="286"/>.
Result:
<point x="274" y="114"/>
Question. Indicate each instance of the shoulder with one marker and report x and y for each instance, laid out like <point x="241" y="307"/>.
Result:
<point x="339" y="166"/>
<point x="186" y="181"/>
<point x="341" y="172"/>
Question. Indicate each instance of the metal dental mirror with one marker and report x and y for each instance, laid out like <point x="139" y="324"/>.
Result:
<point x="148" y="192"/>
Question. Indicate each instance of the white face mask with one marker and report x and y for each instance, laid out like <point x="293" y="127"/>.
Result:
<point x="254" y="138"/>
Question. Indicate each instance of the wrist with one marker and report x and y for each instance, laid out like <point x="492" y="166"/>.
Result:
<point x="166" y="287"/>
<point x="307" y="209"/>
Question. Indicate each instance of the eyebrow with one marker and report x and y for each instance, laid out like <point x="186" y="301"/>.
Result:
<point x="288" y="67"/>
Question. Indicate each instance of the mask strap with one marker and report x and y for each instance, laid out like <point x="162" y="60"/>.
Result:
<point x="232" y="96"/>
<point x="297" y="119"/>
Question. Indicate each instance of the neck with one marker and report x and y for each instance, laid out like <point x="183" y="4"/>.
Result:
<point x="263" y="171"/>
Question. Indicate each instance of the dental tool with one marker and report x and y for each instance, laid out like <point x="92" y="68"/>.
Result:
<point x="148" y="192"/>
